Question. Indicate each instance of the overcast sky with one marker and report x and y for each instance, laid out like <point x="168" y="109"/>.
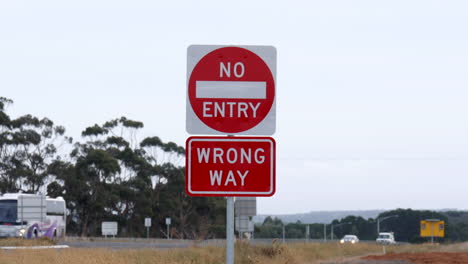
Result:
<point x="372" y="96"/>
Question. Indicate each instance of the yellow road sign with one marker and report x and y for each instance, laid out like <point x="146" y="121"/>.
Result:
<point x="432" y="228"/>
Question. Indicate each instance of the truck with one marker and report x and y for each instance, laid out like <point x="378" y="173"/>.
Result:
<point x="386" y="238"/>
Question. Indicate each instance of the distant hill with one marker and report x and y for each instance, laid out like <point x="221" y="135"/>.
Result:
<point x="320" y="216"/>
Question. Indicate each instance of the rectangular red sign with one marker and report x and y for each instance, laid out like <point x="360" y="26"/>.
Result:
<point x="230" y="166"/>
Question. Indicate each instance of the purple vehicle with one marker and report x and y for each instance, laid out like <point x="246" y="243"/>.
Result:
<point x="32" y="216"/>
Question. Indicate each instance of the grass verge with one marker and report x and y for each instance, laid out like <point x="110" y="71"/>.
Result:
<point x="21" y="242"/>
<point x="245" y="254"/>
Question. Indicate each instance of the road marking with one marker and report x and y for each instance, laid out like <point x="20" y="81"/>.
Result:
<point x="37" y="247"/>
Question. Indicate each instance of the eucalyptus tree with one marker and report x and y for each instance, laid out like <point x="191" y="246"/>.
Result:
<point x="28" y="145"/>
<point x="192" y="217"/>
<point x="105" y="167"/>
<point x="7" y="181"/>
<point x="114" y="173"/>
<point x="109" y="175"/>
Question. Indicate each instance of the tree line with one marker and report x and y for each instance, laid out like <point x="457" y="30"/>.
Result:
<point x="108" y="175"/>
<point x="405" y="223"/>
<point x="111" y="174"/>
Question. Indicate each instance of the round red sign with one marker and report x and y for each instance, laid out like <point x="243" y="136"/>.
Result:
<point x="231" y="90"/>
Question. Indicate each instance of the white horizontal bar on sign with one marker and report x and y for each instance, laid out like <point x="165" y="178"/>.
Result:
<point x="227" y="89"/>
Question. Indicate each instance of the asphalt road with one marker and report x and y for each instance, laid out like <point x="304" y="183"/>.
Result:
<point x="124" y="245"/>
<point x="165" y="244"/>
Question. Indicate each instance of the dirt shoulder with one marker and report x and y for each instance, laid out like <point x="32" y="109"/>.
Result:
<point x="425" y="258"/>
<point x="367" y="261"/>
<point x="409" y="258"/>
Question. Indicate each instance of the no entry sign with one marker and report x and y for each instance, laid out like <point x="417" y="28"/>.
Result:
<point x="231" y="90"/>
<point x="230" y="166"/>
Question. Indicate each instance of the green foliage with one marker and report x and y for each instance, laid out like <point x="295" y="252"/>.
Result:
<point x="356" y="225"/>
<point x="406" y="226"/>
<point x="28" y="145"/>
<point x="4" y="102"/>
<point x="271" y="228"/>
<point x="126" y="181"/>
<point x="112" y="175"/>
<point x="151" y="142"/>
<point x="172" y="147"/>
<point x="109" y="175"/>
<point x="94" y="131"/>
<point x="457" y="230"/>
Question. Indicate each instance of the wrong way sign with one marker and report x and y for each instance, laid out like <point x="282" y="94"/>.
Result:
<point x="230" y="166"/>
<point x="231" y="90"/>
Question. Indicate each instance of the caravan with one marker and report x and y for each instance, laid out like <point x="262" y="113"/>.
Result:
<point x="32" y="216"/>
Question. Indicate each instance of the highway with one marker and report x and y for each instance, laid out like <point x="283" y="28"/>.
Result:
<point x="126" y="244"/>
<point x="140" y="243"/>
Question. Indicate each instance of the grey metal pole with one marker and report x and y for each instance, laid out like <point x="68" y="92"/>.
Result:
<point x="307" y="233"/>
<point x="325" y="232"/>
<point x="432" y="232"/>
<point x="229" y="230"/>
<point x="147" y="232"/>
<point x="378" y="226"/>
<point x="381" y="219"/>
<point x="283" y="234"/>
<point x="331" y="235"/>
<point x="22" y="218"/>
<point x="167" y="227"/>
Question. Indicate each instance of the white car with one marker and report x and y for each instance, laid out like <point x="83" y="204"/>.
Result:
<point x="386" y="238"/>
<point x="349" y="239"/>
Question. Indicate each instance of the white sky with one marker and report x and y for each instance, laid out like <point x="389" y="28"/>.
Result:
<point x="372" y="96"/>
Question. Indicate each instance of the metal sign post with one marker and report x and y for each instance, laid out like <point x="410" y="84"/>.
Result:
<point x="229" y="230"/>
<point x="325" y="232"/>
<point x="148" y="225"/>
<point x="230" y="90"/>
<point x="284" y="231"/>
<point x="168" y="223"/>
<point x="432" y="233"/>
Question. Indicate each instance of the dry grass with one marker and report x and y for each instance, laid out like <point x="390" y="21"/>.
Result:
<point x="20" y="242"/>
<point x="301" y="253"/>
<point x="245" y="254"/>
<point x="102" y="256"/>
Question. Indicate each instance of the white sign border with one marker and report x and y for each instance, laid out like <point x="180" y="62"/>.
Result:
<point x="272" y="165"/>
<point x="195" y="126"/>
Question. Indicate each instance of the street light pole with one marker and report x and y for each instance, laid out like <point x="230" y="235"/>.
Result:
<point x="325" y="232"/>
<point x="380" y="219"/>
<point x="378" y="226"/>
<point x="331" y="235"/>
<point x="336" y="225"/>
<point x="283" y="234"/>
